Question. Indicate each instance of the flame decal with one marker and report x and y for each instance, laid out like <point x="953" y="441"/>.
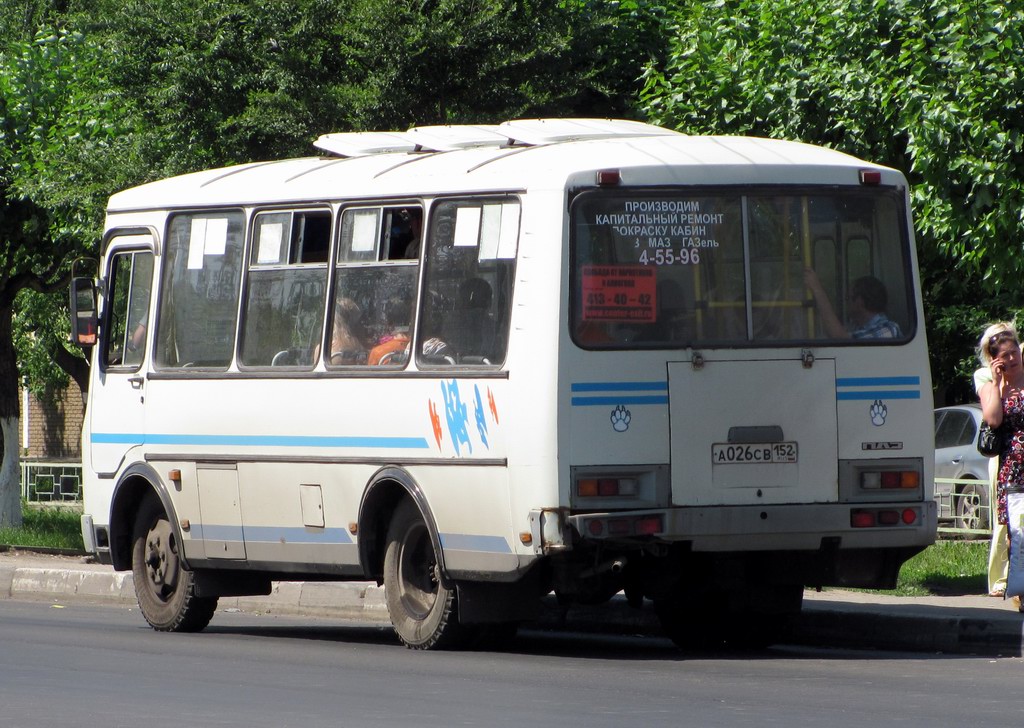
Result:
<point x="492" y="404"/>
<point x="435" y="422"/>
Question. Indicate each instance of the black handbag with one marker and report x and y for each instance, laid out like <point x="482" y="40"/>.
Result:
<point x="990" y="441"/>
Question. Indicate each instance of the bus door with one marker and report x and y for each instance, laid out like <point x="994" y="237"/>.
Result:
<point x="118" y="387"/>
<point x="753" y="432"/>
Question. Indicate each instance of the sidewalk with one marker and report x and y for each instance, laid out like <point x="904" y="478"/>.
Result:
<point x="978" y="625"/>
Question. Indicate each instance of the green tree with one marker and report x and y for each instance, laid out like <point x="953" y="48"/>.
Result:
<point x="219" y="81"/>
<point x="57" y="133"/>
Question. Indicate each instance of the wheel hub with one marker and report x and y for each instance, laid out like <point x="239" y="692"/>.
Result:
<point x="161" y="557"/>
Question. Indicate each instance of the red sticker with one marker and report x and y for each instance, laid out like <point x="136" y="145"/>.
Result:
<point x="619" y="293"/>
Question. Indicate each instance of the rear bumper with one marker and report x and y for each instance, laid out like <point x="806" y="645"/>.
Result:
<point x="767" y="528"/>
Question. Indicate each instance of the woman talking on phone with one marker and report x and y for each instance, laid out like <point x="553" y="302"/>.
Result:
<point x="1002" y="403"/>
<point x="997" y="552"/>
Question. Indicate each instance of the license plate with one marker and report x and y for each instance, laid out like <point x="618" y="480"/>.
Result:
<point x="753" y="453"/>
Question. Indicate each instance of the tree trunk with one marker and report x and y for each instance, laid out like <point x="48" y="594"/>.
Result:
<point x="75" y="367"/>
<point x="10" y="469"/>
<point x="10" y="475"/>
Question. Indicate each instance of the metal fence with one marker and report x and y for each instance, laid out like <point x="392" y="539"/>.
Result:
<point x="51" y="482"/>
<point x="964" y="510"/>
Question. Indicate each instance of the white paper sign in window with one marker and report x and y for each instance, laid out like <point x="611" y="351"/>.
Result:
<point x="499" y="231"/>
<point x="216" y="236"/>
<point x="196" y="243"/>
<point x="207" y="236"/>
<point x="271" y="235"/>
<point x="364" y="231"/>
<point x="467" y="227"/>
<point x="490" y="231"/>
<point x="509" y="234"/>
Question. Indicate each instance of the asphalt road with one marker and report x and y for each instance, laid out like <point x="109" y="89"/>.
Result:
<point x="102" y="666"/>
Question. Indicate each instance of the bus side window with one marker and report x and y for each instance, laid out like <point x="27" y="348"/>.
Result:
<point x="200" y="288"/>
<point x="470" y="270"/>
<point x="129" y="283"/>
<point x="375" y="280"/>
<point x="287" y="283"/>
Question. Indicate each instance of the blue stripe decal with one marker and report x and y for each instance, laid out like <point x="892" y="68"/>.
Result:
<point x="862" y="388"/>
<point x="277" y="534"/>
<point x="282" y="535"/>
<point x="878" y="381"/>
<point x="466" y="542"/>
<point x="620" y="387"/>
<point x="879" y="394"/>
<point x="119" y="438"/>
<point x="270" y="534"/>
<point x="618" y="393"/>
<point x="593" y="401"/>
<point x="217" y="532"/>
<point x="116" y="438"/>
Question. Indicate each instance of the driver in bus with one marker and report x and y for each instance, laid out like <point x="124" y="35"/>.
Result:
<point x="865" y="308"/>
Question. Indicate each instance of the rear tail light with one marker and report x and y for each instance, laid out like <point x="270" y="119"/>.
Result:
<point x="888" y="518"/>
<point x="607" y="488"/>
<point x="872" y="517"/>
<point x="863" y="519"/>
<point x="890" y="479"/>
<point x="645" y="525"/>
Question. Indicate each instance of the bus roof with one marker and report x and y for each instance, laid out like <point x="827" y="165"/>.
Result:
<point x="520" y="155"/>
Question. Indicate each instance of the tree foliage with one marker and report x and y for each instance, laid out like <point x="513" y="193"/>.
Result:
<point x="58" y="133"/>
<point x="219" y="81"/>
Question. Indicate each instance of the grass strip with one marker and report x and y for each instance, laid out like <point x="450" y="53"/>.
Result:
<point x="48" y="527"/>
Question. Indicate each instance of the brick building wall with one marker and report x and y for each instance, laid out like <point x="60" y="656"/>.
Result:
<point x="53" y="428"/>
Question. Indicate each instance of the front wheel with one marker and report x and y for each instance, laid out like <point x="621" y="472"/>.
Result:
<point x="165" y="590"/>
<point x="423" y="610"/>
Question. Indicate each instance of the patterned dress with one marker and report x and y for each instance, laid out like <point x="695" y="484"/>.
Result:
<point x="1011" y="459"/>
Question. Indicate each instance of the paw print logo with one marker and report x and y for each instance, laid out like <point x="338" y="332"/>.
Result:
<point x="878" y="413"/>
<point x="620" y="419"/>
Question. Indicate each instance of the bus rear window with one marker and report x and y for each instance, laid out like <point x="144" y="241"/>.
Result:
<point x="706" y="267"/>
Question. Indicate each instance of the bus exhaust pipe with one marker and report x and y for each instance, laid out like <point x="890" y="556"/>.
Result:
<point x="615" y="566"/>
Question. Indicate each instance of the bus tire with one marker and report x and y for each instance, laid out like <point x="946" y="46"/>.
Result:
<point x="423" y="611"/>
<point x="164" y="589"/>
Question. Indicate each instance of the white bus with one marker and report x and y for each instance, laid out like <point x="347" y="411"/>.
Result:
<point x="483" y="364"/>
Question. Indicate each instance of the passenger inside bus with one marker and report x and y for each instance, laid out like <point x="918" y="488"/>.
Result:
<point x="393" y="347"/>
<point x="865" y="308"/>
<point x="348" y="337"/>
<point x="673" y="319"/>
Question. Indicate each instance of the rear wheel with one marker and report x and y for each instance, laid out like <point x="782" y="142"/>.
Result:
<point x="423" y="610"/>
<point x="165" y="590"/>
<point x="972" y="507"/>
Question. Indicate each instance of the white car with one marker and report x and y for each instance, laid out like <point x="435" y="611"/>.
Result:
<point x="957" y="457"/>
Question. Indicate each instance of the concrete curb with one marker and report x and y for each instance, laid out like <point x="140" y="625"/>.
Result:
<point x="947" y="630"/>
<point x="951" y="626"/>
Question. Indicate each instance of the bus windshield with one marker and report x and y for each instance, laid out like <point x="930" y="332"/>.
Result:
<point x="740" y="266"/>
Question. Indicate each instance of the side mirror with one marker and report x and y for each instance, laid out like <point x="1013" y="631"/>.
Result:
<point x="84" y="316"/>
